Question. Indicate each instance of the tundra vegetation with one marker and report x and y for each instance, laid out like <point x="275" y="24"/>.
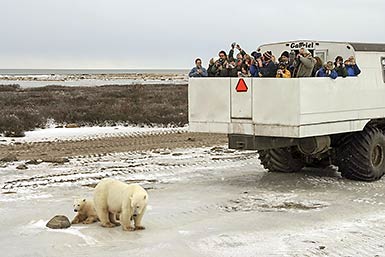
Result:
<point x="23" y="109"/>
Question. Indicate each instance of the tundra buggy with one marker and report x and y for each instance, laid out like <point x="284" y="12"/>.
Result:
<point x="302" y="122"/>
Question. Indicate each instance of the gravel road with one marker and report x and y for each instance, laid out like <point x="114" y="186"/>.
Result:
<point x="205" y="200"/>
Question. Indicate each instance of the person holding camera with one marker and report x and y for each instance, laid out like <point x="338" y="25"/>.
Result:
<point x="327" y="71"/>
<point x="220" y="68"/>
<point x="268" y="69"/>
<point x="282" y="71"/>
<point x="198" y="70"/>
<point x="256" y="64"/>
<point x="351" y="67"/>
<point x="304" y="63"/>
<point x="340" y="67"/>
<point x="235" y="64"/>
<point x="240" y="55"/>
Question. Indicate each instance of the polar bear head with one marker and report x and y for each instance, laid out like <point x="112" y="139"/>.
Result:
<point x="79" y="204"/>
<point x="138" y="203"/>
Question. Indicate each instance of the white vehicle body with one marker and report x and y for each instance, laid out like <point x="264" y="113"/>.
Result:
<point x="296" y="107"/>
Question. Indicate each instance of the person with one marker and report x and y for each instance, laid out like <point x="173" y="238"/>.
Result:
<point x="198" y="70"/>
<point x="304" y="63"/>
<point x="268" y="69"/>
<point x="327" y="71"/>
<point x="233" y="68"/>
<point x="340" y="67"/>
<point x="210" y="71"/>
<point x="256" y="64"/>
<point x="291" y="67"/>
<point x="235" y="64"/>
<point x="318" y="65"/>
<point x="351" y="67"/>
<point x="284" y="58"/>
<point x="240" y="55"/>
<point x="220" y="67"/>
<point x="282" y="71"/>
<point x="244" y="71"/>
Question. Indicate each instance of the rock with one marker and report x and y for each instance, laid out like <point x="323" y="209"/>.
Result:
<point x="191" y="139"/>
<point x="322" y="247"/>
<point x="9" y="158"/>
<point x="58" y="160"/>
<point x="22" y="167"/>
<point x="33" y="162"/>
<point x="177" y="154"/>
<point x="72" y="125"/>
<point x="59" y="222"/>
<point x="217" y="149"/>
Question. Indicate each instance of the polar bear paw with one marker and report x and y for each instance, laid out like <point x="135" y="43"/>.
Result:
<point x="108" y="225"/>
<point x="128" y="228"/>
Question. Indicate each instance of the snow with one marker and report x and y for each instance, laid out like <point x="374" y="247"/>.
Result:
<point x="39" y="226"/>
<point x="55" y="134"/>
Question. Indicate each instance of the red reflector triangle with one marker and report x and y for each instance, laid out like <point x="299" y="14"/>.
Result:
<point x="241" y="86"/>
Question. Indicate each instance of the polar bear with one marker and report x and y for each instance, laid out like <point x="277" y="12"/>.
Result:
<point x="114" y="198"/>
<point x="86" y="213"/>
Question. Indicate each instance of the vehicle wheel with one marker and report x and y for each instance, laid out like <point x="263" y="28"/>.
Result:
<point x="361" y="155"/>
<point x="281" y="160"/>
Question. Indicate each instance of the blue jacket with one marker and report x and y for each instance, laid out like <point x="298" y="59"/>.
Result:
<point x="352" y="70"/>
<point x="194" y="72"/>
<point x="254" y="70"/>
<point x="322" y="73"/>
<point x="269" y="70"/>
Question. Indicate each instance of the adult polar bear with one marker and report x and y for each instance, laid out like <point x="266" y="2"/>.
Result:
<point x="113" y="197"/>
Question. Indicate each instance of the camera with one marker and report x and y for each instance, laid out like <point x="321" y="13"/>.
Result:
<point x="220" y="61"/>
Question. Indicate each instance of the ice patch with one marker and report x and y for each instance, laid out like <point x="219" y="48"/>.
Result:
<point x="272" y="202"/>
<point x="184" y="232"/>
<point x="241" y="244"/>
<point x="22" y="196"/>
<point x="39" y="226"/>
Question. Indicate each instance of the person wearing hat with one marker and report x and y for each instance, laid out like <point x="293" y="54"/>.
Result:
<point x="304" y="63"/>
<point x="340" y="67"/>
<point x="269" y="69"/>
<point x="256" y="64"/>
<point x="282" y="71"/>
<point x="327" y="71"/>
<point x="284" y="58"/>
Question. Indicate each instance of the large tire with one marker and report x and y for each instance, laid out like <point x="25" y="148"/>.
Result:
<point x="285" y="160"/>
<point x="361" y="155"/>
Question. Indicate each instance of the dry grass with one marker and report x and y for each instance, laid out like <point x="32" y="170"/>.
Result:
<point x="26" y="109"/>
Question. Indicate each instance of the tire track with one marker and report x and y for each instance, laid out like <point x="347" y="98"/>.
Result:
<point x="127" y="164"/>
<point x="122" y="143"/>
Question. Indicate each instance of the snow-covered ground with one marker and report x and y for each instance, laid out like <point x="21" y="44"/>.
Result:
<point x="203" y="202"/>
<point x="82" y="133"/>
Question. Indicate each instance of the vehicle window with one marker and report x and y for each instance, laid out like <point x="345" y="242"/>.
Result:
<point x="321" y="54"/>
<point x="383" y="68"/>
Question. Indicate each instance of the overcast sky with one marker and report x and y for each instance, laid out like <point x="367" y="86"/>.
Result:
<point x="170" y="33"/>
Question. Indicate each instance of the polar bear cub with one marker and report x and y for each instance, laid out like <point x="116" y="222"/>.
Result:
<point x="113" y="197"/>
<point x="86" y="213"/>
